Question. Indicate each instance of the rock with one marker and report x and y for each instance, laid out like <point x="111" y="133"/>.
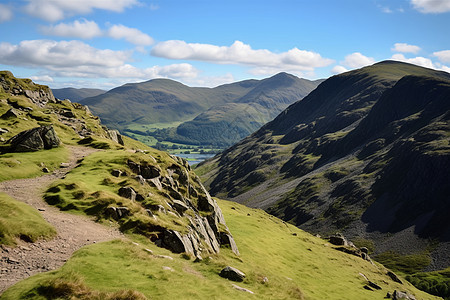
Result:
<point x="205" y="203"/>
<point x="116" y="173"/>
<point x="3" y="130"/>
<point x="45" y="170"/>
<point x="68" y="114"/>
<point x="168" y="269"/>
<point x="241" y="289"/>
<point x="115" y="136"/>
<point x="367" y="288"/>
<point x="364" y="250"/>
<point x="140" y="179"/>
<point x="150" y="213"/>
<point x="127" y="192"/>
<point x="155" y="183"/>
<point x="164" y="256"/>
<point x="64" y="165"/>
<point x="402" y="295"/>
<point x="11" y="113"/>
<point x="227" y="239"/>
<point x="117" y="212"/>
<point x="148" y="251"/>
<point x="394" y="277"/>
<point x="177" y="243"/>
<point x="158" y="208"/>
<point x="136" y="168"/>
<point x="338" y="239"/>
<point x="374" y="285"/>
<point x="232" y="274"/>
<point x="149" y="172"/>
<point x="139" y="197"/>
<point x="179" y="206"/>
<point x="34" y="139"/>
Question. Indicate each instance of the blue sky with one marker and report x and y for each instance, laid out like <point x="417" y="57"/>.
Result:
<point x="106" y="43"/>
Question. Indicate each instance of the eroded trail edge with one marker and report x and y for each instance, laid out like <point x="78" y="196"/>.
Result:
<point x="73" y="231"/>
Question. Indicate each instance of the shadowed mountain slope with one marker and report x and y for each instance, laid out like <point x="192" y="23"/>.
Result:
<point x="366" y="153"/>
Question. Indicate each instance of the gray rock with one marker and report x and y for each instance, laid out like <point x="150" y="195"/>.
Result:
<point x="127" y="192"/>
<point x="177" y="243"/>
<point x="338" y="239"/>
<point x="136" y="168"/>
<point x="116" y="173"/>
<point x="394" y="277"/>
<point x="155" y="183"/>
<point x="11" y="113"/>
<point x="205" y="203"/>
<point x="232" y="274"/>
<point x="374" y="285"/>
<point x="115" y="136"/>
<point x="45" y="170"/>
<point x="227" y="239"/>
<point x="364" y="250"/>
<point x="117" y="212"/>
<point x="179" y="206"/>
<point x="3" y="130"/>
<point x="34" y="139"/>
<point x="242" y="289"/>
<point x="139" y="197"/>
<point x="149" y="172"/>
<point x="140" y="179"/>
<point x="402" y="295"/>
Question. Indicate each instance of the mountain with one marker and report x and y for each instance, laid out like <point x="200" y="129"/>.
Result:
<point x="214" y="116"/>
<point x="151" y="219"/>
<point x="366" y="153"/>
<point x="76" y="95"/>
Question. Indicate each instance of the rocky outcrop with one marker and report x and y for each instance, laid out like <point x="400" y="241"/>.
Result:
<point x="185" y="197"/>
<point x="115" y="136"/>
<point x="34" y="139"/>
<point x="232" y="274"/>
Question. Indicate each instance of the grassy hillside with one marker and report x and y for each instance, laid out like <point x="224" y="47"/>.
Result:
<point x="295" y="264"/>
<point x="76" y="95"/>
<point x="20" y="221"/>
<point x="366" y="153"/>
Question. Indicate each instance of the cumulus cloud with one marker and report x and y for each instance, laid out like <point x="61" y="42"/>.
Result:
<point x="443" y="56"/>
<point x="357" y="60"/>
<point x="55" y="10"/>
<point x="83" y="29"/>
<point x="405" y="48"/>
<point x="240" y="53"/>
<point x="420" y="61"/>
<point x="5" y="13"/>
<point x="132" y="35"/>
<point x="55" y="55"/>
<point x="431" y="6"/>
<point x="43" y="78"/>
<point x="338" y="70"/>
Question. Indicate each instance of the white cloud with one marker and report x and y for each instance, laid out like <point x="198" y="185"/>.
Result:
<point x="386" y="9"/>
<point x="131" y="35"/>
<point x="357" y="60"/>
<point x="80" y="29"/>
<point x="443" y="56"/>
<point x="43" y="78"/>
<point x="431" y="6"/>
<point x="420" y="61"/>
<point x="405" y="48"/>
<point x="240" y="53"/>
<point x="338" y="70"/>
<point x="5" y="13"/>
<point x="55" y="10"/>
<point x="58" y="55"/>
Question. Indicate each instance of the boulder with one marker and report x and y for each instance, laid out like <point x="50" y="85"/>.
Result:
<point x="34" y="139"/>
<point x="338" y="239"/>
<point x="402" y="295"/>
<point x="177" y="243"/>
<point x="179" y="206"/>
<point x="117" y="212"/>
<point x="205" y="203"/>
<point x="232" y="274"/>
<point x="140" y="179"/>
<point x="149" y="172"/>
<point x="227" y="239"/>
<point x="3" y="130"/>
<point x="127" y="192"/>
<point x="115" y="136"/>
<point x="11" y="113"/>
<point x="116" y="173"/>
<point x="394" y="277"/>
<point x="155" y="183"/>
<point x="136" y="168"/>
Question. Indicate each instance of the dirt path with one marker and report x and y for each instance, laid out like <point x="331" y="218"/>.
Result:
<point x="74" y="231"/>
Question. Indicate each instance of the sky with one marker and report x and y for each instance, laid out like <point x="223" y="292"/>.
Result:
<point x="107" y="43"/>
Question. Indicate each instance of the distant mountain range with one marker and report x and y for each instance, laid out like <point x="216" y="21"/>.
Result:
<point x="214" y="116"/>
<point x="76" y="95"/>
<point x="367" y="153"/>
